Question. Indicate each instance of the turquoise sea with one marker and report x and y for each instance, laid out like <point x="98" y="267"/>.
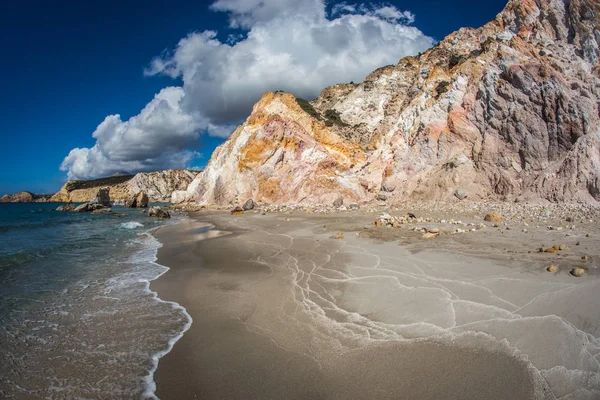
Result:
<point x="77" y="318"/>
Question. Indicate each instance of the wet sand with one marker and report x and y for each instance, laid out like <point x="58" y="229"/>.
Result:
<point x="281" y="310"/>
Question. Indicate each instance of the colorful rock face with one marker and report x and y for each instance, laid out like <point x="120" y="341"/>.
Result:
<point x="507" y="111"/>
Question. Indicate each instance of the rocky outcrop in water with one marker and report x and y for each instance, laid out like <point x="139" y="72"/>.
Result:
<point x="102" y="197"/>
<point x="80" y="191"/>
<point x="141" y="200"/>
<point x="100" y="203"/>
<point x="158" y="212"/>
<point x="138" y="201"/>
<point x="24" y="197"/>
<point x="69" y="207"/>
<point x="158" y="186"/>
<point x="508" y="111"/>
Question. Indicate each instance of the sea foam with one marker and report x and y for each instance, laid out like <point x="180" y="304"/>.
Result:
<point x="131" y="225"/>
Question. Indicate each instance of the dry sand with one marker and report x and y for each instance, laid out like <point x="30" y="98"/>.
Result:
<point x="282" y="310"/>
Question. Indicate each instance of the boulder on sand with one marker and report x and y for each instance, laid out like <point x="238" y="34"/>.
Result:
<point x="494" y="217"/>
<point x="249" y="205"/>
<point x="237" y="211"/>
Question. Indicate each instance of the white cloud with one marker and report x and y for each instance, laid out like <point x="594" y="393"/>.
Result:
<point x="154" y="139"/>
<point x="385" y="12"/>
<point x="288" y="45"/>
<point x="247" y="13"/>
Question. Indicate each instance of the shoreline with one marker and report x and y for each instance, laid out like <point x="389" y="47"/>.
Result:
<point x="150" y="390"/>
<point x="235" y="349"/>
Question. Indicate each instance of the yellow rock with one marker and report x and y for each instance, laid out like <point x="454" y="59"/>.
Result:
<point x="556" y="247"/>
<point x="552" y="268"/>
<point x="429" y="235"/>
<point x="578" y="272"/>
<point x="494" y="217"/>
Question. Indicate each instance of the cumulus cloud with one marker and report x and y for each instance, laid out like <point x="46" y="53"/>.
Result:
<point x="154" y="139"/>
<point x="291" y="45"/>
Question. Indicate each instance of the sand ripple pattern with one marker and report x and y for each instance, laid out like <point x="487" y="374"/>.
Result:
<point x="360" y="292"/>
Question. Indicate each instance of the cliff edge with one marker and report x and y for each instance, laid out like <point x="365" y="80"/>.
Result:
<point x="508" y="111"/>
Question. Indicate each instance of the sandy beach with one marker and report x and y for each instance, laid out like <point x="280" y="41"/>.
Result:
<point x="306" y="306"/>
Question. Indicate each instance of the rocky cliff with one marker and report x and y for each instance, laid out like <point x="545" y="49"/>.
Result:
<point x="506" y="111"/>
<point x="158" y="185"/>
<point x="24" y="197"/>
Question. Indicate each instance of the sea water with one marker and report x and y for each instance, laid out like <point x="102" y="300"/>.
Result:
<point x="77" y="318"/>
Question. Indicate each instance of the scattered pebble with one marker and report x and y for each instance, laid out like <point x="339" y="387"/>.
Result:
<point x="552" y="268"/>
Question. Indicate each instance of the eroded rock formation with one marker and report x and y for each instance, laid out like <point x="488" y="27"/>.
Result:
<point x="20" y="197"/>
<point x="140" y="201"/>
<point x="24" y="197"/>
<point x="159" y="186"/>
<point x="507" y="111"/>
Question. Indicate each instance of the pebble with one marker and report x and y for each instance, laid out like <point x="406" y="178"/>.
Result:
<point x="552" y="268"/>
<point x="578" y="272"/>
<point x="494" y="216"/>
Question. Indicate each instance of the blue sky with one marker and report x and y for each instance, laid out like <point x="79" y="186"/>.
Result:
<point x="68" y="66"/>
